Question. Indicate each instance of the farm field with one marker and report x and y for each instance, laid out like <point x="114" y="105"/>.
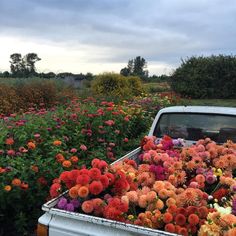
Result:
<point x="56" y="131"/>
<point x="38" y="143"/>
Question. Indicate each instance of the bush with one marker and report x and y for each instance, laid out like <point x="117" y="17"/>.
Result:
<point x="20" y="94"/>
<point x="135" y="85"/>
<point x="110" y="84"/>
<point x="206" y="77"/>
<point x="8" y="99"/>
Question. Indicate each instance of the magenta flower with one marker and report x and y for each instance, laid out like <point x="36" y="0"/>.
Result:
<point x="76" y="203"/>
<point x="159" y="171"/>
<point x="70" y="207"/>
<point x="62" y="203"/>
<point x="210" y="179"/>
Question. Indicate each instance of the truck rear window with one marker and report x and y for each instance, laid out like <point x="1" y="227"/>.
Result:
<point x="194" y="126"/>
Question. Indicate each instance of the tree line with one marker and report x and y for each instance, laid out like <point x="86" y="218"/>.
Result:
<point x="196" y="77"/>
<point x="24" y="66"/>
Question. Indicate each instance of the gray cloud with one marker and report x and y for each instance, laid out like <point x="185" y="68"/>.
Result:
<point x="159" y="30"/>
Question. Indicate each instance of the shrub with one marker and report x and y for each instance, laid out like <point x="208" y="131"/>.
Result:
<point x="206" y="77"/>
<point x="20" y="94"/>
<point x="9" y="99"/>
<point x="111" y="84"/>
<point x="135" y="85"/>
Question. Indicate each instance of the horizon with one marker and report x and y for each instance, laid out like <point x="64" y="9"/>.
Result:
<point x="101" y="36"/>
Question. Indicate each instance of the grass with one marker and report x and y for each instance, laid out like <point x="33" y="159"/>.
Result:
<point x="156" y="87"/>
<point x="209" y="102"/>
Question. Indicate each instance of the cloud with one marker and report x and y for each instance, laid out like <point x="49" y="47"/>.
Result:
<point x="109" y="32"/>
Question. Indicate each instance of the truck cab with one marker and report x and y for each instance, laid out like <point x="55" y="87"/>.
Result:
<point x="196" y="122"/>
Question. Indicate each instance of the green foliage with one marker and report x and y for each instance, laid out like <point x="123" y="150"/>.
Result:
<point x="206" y="77"/>
<point x="110" y="84"/>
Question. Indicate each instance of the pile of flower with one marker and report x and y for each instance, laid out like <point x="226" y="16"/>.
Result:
<point x="183" y="190"/>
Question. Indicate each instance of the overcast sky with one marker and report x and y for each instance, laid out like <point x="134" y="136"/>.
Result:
<point x="102" y="35"/>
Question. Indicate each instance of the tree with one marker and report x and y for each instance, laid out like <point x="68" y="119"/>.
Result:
<point x="30" y="59"/>
<point x="136" y="67"/>
<point x="16" y="65"/>
<point x="23" y="67"/>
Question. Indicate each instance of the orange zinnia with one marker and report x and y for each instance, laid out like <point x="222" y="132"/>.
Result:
<point x="31" y="145"/>
<point x="24" y="186"/>
<point x="57" y="143"/>
<point x="9" y="141"/>
<point x="87" y="206"/>
<point x="16" y="182"/>
<point x="83" y="192"/>
<point x="73" y="192"/>
<point x="60" y="157"/>
<point x="7" y="188"/>
<point x="35" y="168"/>
<point x="74" y="159"/>
<point x="66" y="164"/>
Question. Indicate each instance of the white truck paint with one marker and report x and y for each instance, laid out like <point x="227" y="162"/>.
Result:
<point x="63" y="223"/>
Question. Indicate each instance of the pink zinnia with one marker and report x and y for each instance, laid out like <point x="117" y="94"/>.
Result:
<point x="37" y="135"/>
<point x="11" y="152"/>
<point x="109" y="122"/>
<point x="73" y="150"/>
<point x="83" y="147"/>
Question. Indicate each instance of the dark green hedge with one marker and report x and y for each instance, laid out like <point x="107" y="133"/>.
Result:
<point x="206" y="77"/>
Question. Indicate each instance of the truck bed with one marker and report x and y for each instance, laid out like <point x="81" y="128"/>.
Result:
<point x="66" y="223"/>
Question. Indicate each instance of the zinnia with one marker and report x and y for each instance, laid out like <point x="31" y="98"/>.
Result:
<point x="83" y="192"/>
<point x="167" y="217"/>
<point x="87" y="206"/>
<point x="95" y="173"/>
<point x="66" y="164"/>
<point x="31" y="145"/>
<point x="9" y="141"/>
<point x="83" y="179"/>
<point x="73" y="192"/>
<point x="180" y="219"/>
<point x="16" y="182"/>
<point x="96" y="187"/>
<point x="193" y="219"/>
<point x="57" y="143"/>
<point x="170" y="228"/>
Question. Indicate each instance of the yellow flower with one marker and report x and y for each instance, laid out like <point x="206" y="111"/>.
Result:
<point x="218" y="172"/>
<point x="130" y="217"/>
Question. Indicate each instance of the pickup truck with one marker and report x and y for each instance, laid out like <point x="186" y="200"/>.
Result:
<point x="188" y="122"/>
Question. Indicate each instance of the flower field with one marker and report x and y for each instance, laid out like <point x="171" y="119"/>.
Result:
<point x="38" y="145"/>
<point x="183" y="190"/>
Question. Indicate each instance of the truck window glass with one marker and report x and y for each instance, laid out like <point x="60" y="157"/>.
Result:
<point x="194" y="126"/>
